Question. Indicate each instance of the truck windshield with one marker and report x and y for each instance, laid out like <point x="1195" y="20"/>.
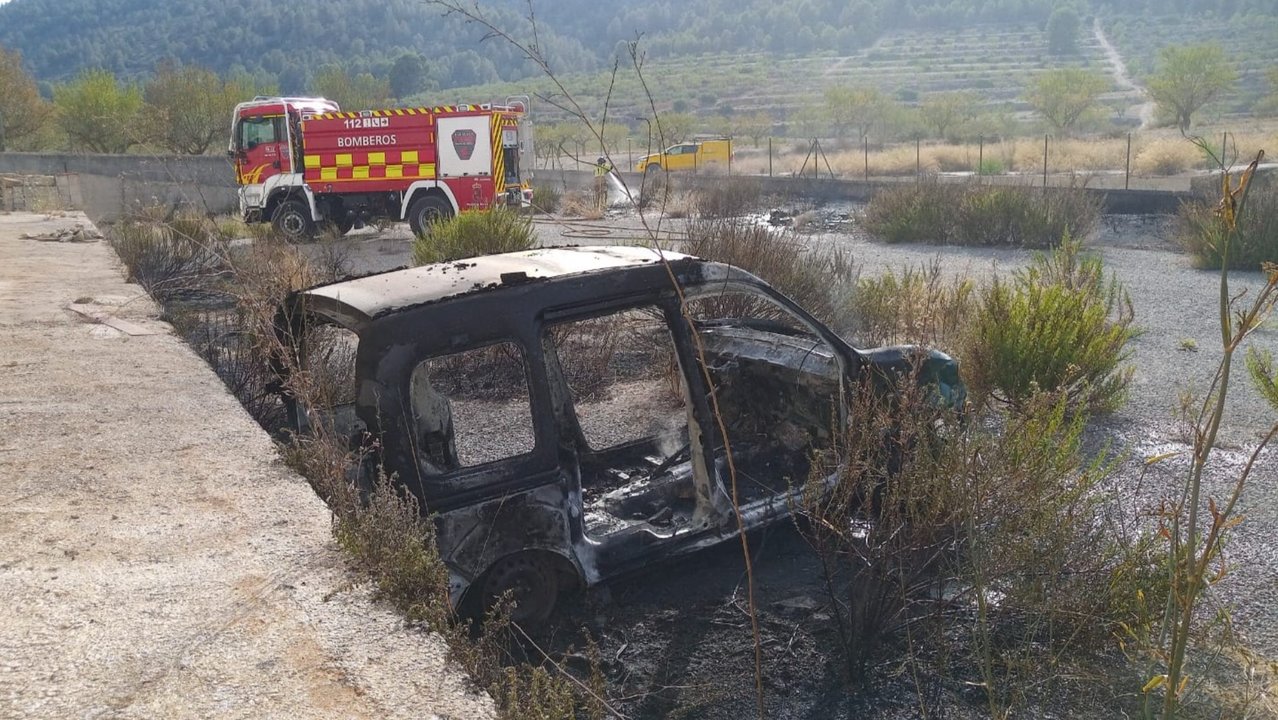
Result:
<point x="256" y="131"/>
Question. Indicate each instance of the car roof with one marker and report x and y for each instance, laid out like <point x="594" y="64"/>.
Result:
<point x="357" y="301"/>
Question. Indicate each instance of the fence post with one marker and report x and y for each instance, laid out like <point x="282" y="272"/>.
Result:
<point x="1044" y="162"/>
<point x="1127" y="174"/>
<point x="918" y="160"/>
<point x="867" y="158"/>
<point x="980" y="157"/>
<point x="769" y="156"/>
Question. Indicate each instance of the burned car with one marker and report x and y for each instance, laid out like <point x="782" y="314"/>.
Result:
<point x="554" y="409"/>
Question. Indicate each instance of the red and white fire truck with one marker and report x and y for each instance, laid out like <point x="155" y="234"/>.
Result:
<point x="303" y="164"/>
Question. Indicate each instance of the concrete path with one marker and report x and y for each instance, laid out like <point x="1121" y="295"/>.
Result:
<point x="156" y="558"/>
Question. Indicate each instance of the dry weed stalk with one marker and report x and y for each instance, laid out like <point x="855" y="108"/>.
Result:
<point x="1196" y="534"/>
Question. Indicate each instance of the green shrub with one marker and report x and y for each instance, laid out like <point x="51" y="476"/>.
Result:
<point x="991" y="166"/>
<point x="1017" y="216"/>
<point x="1058" y="326"/>
<point x="1201" y="232"/>
<point x="482" y="232"/>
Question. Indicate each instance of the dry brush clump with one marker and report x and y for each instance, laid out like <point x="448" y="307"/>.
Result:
<point x="1254" y="241"/>
<point x="172" y="253"/>
<point x="814" y="277"/>
<point x="726" y="197"/>
<point x="918" y="306"/>
<point x="952" y="214"/>
<point x="983" y="550"/>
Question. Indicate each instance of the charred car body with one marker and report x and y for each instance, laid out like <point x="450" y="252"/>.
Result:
<point x="551" y="410"/>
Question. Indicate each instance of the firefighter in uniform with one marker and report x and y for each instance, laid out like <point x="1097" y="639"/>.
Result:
<point x="602" y="168"/>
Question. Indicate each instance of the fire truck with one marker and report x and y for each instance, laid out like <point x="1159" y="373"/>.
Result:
<point x="305" y="165"/>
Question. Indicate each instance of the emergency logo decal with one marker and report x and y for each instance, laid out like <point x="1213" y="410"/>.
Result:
<point x="464" y="143"/>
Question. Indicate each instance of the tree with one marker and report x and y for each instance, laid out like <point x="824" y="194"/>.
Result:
<point x="22" y="110"/>
<point x="1062" y="96"/>
<point x="859" y="109"/>
<point x="98" y="114"/>
<point x="945" y="112"/>
<point x="756" y="126"/>
<point x="188" y="108"/>
<point x="352" y="92"/>
<point x="675" y="127"/>
<point x="1062" y="31"/>
<point x="808" y="121"/>
<point x="1188" y="78"/>
<point x="407" y="75"/>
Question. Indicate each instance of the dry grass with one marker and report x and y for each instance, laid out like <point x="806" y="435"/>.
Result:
<point x="1155" y="153"/>
<point x="1166" y="156"/>
<point x="581" y="204"/>
<point x="815" y="277"/>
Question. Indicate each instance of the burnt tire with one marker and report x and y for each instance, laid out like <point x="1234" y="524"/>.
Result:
<point x="531" y="581"/>
<point x="292" y="221"/>
<point x="425" y="211"/>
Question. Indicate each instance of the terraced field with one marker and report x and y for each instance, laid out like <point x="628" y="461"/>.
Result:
<point x="995" y="61"/>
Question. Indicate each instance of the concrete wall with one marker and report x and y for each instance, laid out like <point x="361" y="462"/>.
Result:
<point x="112" y="184"/>
<point x="109" y="185"/>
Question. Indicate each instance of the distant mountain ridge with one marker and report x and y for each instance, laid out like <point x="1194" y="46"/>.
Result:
<point x="288" y="42"/>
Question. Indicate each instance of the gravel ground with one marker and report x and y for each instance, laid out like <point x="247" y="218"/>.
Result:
<point x="157" y="560"/>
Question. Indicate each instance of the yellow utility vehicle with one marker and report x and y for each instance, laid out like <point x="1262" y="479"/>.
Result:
<point x="713" y="155"/>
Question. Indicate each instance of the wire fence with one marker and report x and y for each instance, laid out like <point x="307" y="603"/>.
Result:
<point x="1131" y="161"/>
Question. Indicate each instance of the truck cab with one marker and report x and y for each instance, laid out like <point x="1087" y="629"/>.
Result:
<point x="265" y="146"/>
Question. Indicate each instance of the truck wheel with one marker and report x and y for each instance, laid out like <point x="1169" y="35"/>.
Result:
<point x="292" y="221"/>
<point x="532" y="583"/>
<point x="426" y="210"/>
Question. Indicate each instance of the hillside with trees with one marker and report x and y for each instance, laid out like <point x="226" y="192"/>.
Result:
<point x="288" y="43"/>
<point x="146" y="76"/>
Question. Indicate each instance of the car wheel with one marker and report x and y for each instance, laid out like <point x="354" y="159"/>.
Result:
<point x="533" y="586"/>
<point x="427" y="210"/>
<point x="292" y="221"/>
